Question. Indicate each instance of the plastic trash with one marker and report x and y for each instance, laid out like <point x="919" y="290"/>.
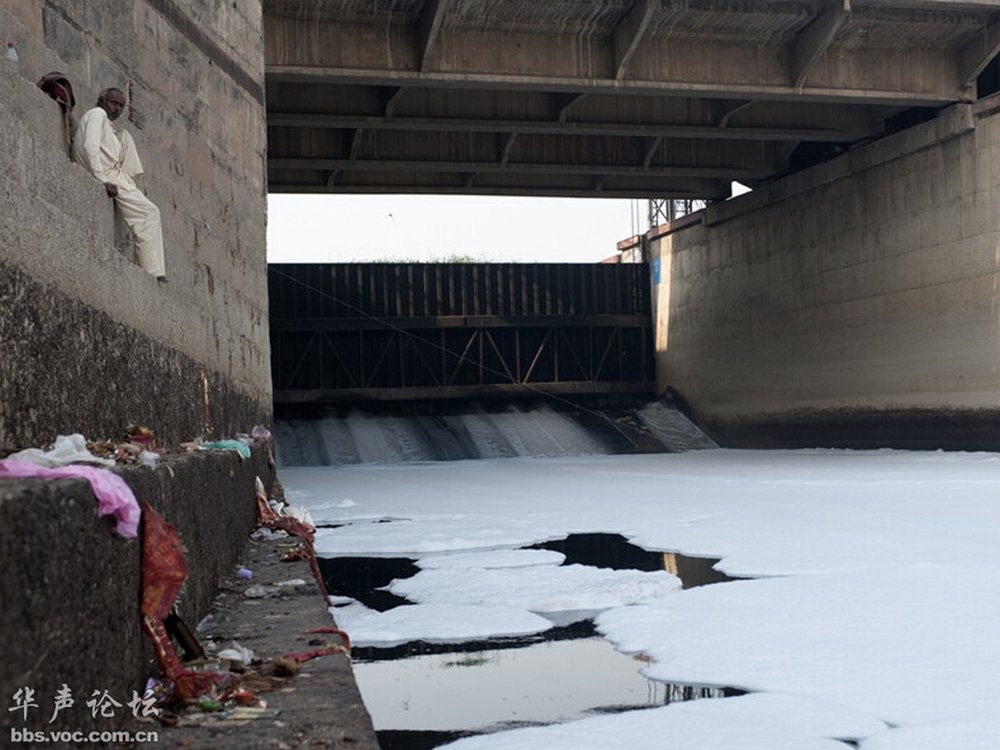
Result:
<point x="228" y="445"/>
<point x="264" y="534"/>
<point x="209" y="705"/>
<point x="114" y="496"/>
<point x="299" y="513"/>
<point x="206" y="623"/>
<point x="149" y="459"/>
<point x="11" y="52"/>
<point x="236" y="654"/>
<point x="256" y="592"/>
<point x="67" y="449"/>
<point x="244" y="573"/>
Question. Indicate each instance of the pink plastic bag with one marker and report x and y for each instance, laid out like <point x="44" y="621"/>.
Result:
<point x="114" y="497"/>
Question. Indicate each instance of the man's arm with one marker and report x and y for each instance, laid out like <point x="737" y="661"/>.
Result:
<point x="92" y="126"/>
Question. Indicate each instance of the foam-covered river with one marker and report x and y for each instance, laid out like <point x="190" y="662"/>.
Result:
<point x="860" y="610"/>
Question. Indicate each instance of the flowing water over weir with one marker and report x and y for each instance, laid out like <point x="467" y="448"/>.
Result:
<point x="338" y="437"/>
<point x="422" y="695"/>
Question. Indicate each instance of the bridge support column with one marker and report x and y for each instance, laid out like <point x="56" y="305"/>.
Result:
<point x="856" y="303"/>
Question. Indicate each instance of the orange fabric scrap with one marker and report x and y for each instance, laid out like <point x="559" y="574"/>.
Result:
<point x="307" y="533"/>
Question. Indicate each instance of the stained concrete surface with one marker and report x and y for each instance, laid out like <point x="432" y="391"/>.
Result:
<point x="71" y="587"/>
<point x="321" y="706"/>
<point x="118" y="344"/>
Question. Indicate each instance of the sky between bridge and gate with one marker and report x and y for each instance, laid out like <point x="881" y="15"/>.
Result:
<point x="344" y="228"/>
<point x="319" y="228"/>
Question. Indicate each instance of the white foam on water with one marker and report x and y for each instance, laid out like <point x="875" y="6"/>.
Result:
<point x="877" y="605"/>
<point x="435" y="623"/>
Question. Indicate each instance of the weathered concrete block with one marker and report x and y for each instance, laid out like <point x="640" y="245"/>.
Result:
<point x="62" y="228"/>
<point x="863" y="291"/>
<point x="72" y="588"/>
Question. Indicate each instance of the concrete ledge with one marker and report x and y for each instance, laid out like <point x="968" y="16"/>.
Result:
<point x="321" y="706"/>
<point x="71" y="588"/>
<point x="903" y="429"/>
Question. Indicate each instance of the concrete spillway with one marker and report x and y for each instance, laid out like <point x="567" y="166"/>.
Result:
<point x="352" y="437"/>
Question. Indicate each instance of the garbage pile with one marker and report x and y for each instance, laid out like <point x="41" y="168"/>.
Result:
<point x="225" y="682"/>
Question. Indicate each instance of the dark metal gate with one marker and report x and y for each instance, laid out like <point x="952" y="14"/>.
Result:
<point x="393" y="332"/>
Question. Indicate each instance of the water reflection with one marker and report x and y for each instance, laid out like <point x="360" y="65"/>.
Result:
<point x="362" y="578"/>
<point x="616" y="552"/>
<point x="694" y="571"/>
<point x="423" y="695"/>
<point x="538" y="684"/>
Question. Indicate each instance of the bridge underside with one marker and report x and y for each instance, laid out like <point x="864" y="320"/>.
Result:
<point x="621" y="98"/>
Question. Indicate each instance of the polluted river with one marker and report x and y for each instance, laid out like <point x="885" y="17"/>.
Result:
<point x="539" y="579"/>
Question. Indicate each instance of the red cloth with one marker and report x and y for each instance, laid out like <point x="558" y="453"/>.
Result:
<point x="163" y="567"/>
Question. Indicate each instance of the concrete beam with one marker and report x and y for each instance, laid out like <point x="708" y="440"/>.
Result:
<point x="652" y="146"/>
<point x="689" y="64"/>
<point x="977" y="53"/>
<point x="543" y="127"/>
<point x="430" y="28"/>
<point x="356" y="143"/>
<point x="630" y="31"/>
<point x="392" y="99"/>
<point x="507" y="147"/>
<point x="734" y="109"/>
<point x="464" y="167"/>
<point x="935" y="89"/>
<point x="566" y="102"/>
<point x="812" y="43"/>
<point x="718" y="190"/>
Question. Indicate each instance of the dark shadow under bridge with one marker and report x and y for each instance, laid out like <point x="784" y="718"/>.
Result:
<point x="419" y="331"/>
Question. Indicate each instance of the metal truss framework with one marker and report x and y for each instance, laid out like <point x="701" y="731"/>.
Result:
<point x="525" y="344"/>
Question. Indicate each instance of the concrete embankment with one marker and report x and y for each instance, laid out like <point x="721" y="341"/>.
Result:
<point x="320" y="705"/>
<point x="93" y="342"/>
<point x="851" y="304"/>
<point x="71" y="616"/>
<point x="71" y="587"/>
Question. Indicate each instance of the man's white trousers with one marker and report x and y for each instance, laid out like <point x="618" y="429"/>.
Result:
<point x="143" y="218"/>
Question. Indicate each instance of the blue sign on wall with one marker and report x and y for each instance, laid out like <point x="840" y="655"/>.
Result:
<point x="656" y="270"/>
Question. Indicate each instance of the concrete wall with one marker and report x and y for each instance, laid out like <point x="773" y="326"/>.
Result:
<point x="91" y="341"/>
<point x="856" y="303"/>
<point x="71" y="588"/>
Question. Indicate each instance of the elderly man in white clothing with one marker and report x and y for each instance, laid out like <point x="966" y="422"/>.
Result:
<point x="111" y="157"/>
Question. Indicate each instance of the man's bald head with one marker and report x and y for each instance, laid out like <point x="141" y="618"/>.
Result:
<point x="112" y="101"/>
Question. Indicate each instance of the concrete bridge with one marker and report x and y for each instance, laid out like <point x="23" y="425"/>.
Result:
<point x="851" y="299"/>
<point x="624" y="98"/>
<point x="855" y="300"/>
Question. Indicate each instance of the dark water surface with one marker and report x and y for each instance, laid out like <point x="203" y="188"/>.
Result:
<point x="423" y="695"/>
